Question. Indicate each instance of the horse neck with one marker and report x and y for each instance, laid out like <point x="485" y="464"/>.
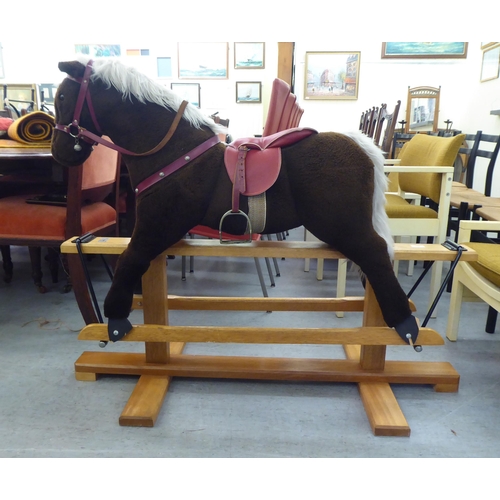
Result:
<point x="140" y="127"/>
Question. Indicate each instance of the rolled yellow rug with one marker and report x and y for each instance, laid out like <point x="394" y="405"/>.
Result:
<point x="35" y="127"/>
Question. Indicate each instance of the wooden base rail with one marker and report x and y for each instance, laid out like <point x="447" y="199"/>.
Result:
<point x="364" y="347"/>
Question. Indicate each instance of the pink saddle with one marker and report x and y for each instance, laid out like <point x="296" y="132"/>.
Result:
<point x="253" y="164"/>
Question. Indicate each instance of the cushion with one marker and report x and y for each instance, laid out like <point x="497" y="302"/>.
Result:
<point x="428" y="150"/>
<point x="5" y="123"/>
<point x="25" y="220"/>
<point x="488" y="263"/>
<point x="398" y="208"/>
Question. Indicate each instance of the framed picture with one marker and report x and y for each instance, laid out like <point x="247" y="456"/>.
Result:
<point x="199" y="60"/>
<point x="420" y="50"/>
<point x="248" y="92"/>
<point x="249" y="55"/>
<point x="491" y="63"/>
<point x="2" y="73"/>
<point x="164" y="67"/>
<point x="21" y="96"/>
<point x="332" y="75"/>
<point x="98" y="50"/>
<point x="190" y="92"/>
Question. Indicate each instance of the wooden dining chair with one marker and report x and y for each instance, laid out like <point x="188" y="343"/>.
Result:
<point x="476" y="280"/>
<point x="47" y="221"/>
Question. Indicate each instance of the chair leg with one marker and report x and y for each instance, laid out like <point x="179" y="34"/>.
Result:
<point x="341" y="282"/>
<point x="275" y="261"/>
<point x="491" y="321"/>
<point x="52" y="259"/>
<point x="36" y="267"/>
<point x="7" y="263"/>
<point x="261" y="278"/>
<point x="457" y="292"/>
<point x="270" y="272"/>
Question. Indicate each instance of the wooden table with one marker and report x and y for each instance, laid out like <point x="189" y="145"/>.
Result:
<point x="31" y="165"/>
<point x="365" y="347"/>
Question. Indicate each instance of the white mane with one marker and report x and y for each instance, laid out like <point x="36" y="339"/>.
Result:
<point x="131" y="82"/>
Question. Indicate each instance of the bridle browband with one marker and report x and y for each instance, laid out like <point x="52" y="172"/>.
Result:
<point x="79" y="133"/>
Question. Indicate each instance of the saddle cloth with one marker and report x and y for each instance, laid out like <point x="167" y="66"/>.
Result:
<point x="253" y="164"/>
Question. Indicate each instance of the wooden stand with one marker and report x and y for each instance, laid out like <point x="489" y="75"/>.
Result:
<point x="365" y="347"/>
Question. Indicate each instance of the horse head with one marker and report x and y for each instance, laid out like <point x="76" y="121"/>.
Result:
<point x="74" y="114"/>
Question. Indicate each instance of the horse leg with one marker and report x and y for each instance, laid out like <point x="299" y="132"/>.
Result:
<point x="370" y="254"/>
<point x="145" y="245"/>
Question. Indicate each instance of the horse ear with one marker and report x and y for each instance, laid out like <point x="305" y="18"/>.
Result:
<point x="72" y="68"/>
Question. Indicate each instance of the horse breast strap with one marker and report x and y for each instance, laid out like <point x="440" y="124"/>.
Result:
<point x="253" y="164"/>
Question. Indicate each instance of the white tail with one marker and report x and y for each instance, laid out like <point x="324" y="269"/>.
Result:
<point x="380" y="220"/>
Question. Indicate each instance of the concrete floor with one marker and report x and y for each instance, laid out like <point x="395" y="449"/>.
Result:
<point x="45" y="412"/>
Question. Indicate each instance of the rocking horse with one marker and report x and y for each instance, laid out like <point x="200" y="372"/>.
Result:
<point x="332" y="184"/>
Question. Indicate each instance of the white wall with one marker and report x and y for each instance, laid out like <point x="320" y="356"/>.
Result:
<point x="464" y="99"/>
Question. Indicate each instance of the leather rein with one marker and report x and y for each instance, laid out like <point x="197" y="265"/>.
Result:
<point x="75" y="130"/>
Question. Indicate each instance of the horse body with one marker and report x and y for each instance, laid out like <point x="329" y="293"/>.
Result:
<point x="327" y="183"/>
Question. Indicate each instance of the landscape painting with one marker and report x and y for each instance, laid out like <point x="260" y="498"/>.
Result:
<point x="424" y="50"/>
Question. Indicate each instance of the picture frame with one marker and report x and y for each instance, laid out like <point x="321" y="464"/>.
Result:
<point x="332" y="75"/>
<point x="248" y="92"/>
<point x="249" y="55"/>
<point x="490" y="64"/>
<point x="424" y="50"/>
<point x="202" y="60"/>
<point x="22" y="96"/>
<point x="485" y="45"/>
<point x="190" y="92"/>
<point x="2" y="72"/>
<point x="99" y="50"/>
<point x="164" y="67"/>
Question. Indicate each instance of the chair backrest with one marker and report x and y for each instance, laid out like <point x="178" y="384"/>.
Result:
<point x="480" y="149"/>
<point x="373" y="122"/>
<point x="92" y="182"/>
<point x="391" y="121"/>
<point x="99" y="174"/>
<point x="382" y="115"/>
<point x="427" y="150"/>
<point x="368" y="120"/>
<point x="284" y="111"/>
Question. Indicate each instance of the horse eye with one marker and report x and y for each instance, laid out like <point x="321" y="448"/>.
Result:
<point x="61" y="97"/>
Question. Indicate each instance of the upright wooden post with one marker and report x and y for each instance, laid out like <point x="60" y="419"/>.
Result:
<point x="146" y="400"/>
<point x="285" y="62"/>
<point x="372" y="357"/>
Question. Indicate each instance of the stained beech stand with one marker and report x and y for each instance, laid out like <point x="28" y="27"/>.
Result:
<point x="365" y="347"/>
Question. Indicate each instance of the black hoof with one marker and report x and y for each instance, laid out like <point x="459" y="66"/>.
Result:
<point x="408" y="327"/>
<point x="118" y="328"/>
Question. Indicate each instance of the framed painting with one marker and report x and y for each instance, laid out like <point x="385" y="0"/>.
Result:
<point x="249" y="55"/>
<point x="2" y="73"/>
<point x="199" y="60"/>
<point x="490" y="64"/>
<point x="421" y="50"/>
<point x="332" y="75"/>
<point x="164" y="67"/>
<point x="98" y="50"/>
<point x="190" y="92"/>
<point x="249" y="92"/>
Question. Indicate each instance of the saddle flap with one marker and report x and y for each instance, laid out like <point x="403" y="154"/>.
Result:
<point x="262" y="162"/>
<point x="261" y="168"/>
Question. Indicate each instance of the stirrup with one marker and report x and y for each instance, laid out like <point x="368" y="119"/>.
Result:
<point x="249" y="226"/>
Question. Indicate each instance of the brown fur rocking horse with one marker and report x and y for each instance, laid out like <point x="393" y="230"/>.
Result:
<point x="332" y="184"/>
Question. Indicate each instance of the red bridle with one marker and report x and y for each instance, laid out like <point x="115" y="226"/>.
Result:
<point x="74" y="129"/>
